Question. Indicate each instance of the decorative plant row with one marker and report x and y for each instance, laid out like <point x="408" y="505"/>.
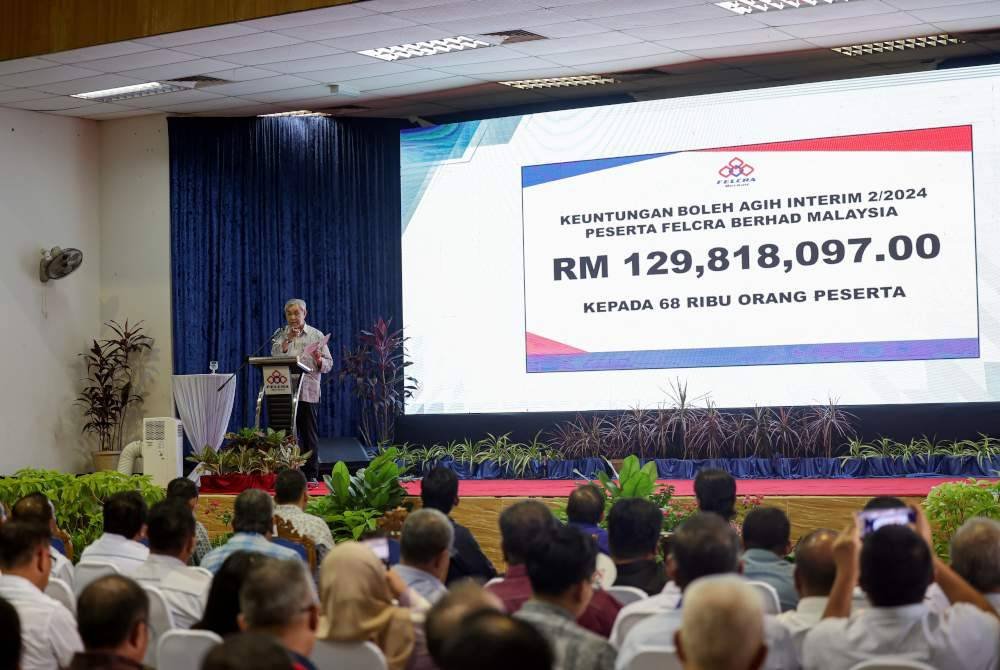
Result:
<point x="922" y="448"/>
<point x="515" y="459"/>
<point x="252" y="456"/>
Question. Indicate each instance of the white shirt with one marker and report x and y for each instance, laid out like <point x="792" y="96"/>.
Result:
<point x="185" y="589"/>
<point x="310" y="383"/>
<point x="801" y="620"/>
<point x="62" y="568"/>
<point x="937" y="601"/>
<point x="125" y="554"/>
<point x="48" y="630"/>
<point x="962" y="638"/>
<point x="666" y="599"/>
<point x="308" y="525"/>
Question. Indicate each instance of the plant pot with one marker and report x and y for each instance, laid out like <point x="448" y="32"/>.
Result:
<point x="235" y="483"/>
<point x="106" y="460"/>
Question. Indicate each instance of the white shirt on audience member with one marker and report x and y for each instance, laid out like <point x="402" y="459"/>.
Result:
<point x="49" y="636"/>
<point x="961" y="638"/>
<point x="938" y="602"/>
<point x="801" y="620"/>
<point x="666" y="599"/>
<point x="62" y="567"/>
<point x="125" y="554"/>
<point x="185" y="589"/>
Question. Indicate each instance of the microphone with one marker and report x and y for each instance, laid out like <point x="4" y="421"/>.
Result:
<point x="246" y="361"/>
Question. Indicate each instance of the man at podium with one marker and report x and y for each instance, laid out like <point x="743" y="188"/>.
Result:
<point x="293" y="340"/>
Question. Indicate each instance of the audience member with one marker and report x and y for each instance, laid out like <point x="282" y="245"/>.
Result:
<point x="884" y="502"/>
<point x="249" y="651"/>
<point x="113" y="623"/>
<point x="722" y="627"/>
<point x="975" y="555"/>
<point x="3" y="514"/>
<point x="814" y="572"/>
<point x="522" y="526"/>
<point x="561" y="569"/>
<point x="704" y="545"/>
<point x="290" y="497"/>
<point x="38" y="509"/>
<point x="425" y="552"/>
<point x="124" y="526"/>
<point x="222" y="608"/>
<point x="10" y="641"/>
<point x="894" y="566"/>
<point x="766" y="543"/>
<point x="715" y="491"/>
<point x="490" y="640"/>
<point x="634" y="527"/>
<point x="170" y="528"/>
<point x="253" y="525"/>
<point x="448" y="614"/>
<point x="359" y="597"/>
<point x="439" y="490"/>
<point x="186" y="490"/>
<point x="278" y="598"/>
<point x="585" y="510"/>
<point x="49" y="637"/>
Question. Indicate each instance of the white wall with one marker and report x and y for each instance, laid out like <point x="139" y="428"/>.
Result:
<point x="48" y="196"/>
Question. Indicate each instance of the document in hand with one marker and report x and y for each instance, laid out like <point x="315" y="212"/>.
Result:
<point x="316" y="346"/>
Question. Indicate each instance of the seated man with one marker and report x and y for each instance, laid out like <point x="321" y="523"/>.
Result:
<point x="114" y="612"/>
<point x="278" y="599"/>
<point x="439" y="490"/>
<point x="170" y="528"/>
<point x="448" y="614"/>
<point x="491" y="640"/>
<point x="721" y="608"/>
<point x="705" y="544"/>
<point x="10" y="641"/>
<point x="975" y="556"/>
<point x="248" y="651"/>
<point x="37" y="508"/>
<point x="253" y="525"/>
<point x="894" y="566"/>
<point x="814" y="573"/>
<point x="48" y="631"/>
<point x="124" y="526"/>
<point x="766" y="542"/>
<point x="186" y="491"/>
<point x="425" y="553"/>
<point x="584" y="510"/>
<point x="290" y="497"/>
<point x="561" y="569"/>
<point x="634" y="527"/>
<point x="522" y="526"/>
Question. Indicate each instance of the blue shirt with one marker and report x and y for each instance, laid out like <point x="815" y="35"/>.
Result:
<point x="594" y="529"/>
<point x="424" y="583"/>
<point x="761" y="565"/>
<point x="252" y="542"/>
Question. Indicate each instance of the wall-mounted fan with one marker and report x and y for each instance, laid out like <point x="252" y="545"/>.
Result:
<point x="56" y="263"/>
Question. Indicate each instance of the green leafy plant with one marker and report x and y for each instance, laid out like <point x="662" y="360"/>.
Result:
<point x="633" y="481"/>
<point x="376" y="486"/>
<point x="250" y="451"/>
<point x="950" y="505"/>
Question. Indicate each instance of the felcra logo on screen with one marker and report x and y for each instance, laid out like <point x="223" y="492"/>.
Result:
<point x="737" y="172"/>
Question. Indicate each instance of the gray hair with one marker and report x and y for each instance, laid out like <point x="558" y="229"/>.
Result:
<point x="426" y="533"/>
<point x="721" y="608"/>
<point x="275" y="593"/>
<point x="975" y="553"/>
<point x="253" y="512"/>
<point x="296" y="301"/>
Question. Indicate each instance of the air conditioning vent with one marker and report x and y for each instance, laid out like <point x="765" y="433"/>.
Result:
<point x="200" y="80"/>
<point x="514" y="36"/>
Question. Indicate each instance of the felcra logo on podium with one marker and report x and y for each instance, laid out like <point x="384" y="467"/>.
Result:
<point x="276" y="381"/>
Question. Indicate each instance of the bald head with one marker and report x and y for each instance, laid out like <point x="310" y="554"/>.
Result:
<point x="975" y="554"/>
<point x="814" y="566"/>
<point x="447" y="614"/>
<point x="721" y="608"/>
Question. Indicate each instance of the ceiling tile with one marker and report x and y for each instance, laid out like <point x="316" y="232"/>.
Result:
<point x="140" y="60"/>
<point x="401" y="79"/>
<point x="759" y="36"/>
<point x="956" y="12"/>
<point x="260" y="85"/>
<point x="242" y="73"/>
<point x="729" y="24"/>
<point x="841" y="10"/>
<point x="205" y="105"/>
<point x="165" y="99"/>
<point x="511" y="65"/>
<point x="666" y="16"/>
<point x="635" y="63"/>
<point x="470" y="9"/>
<point x="189" y="68"/>
<point x="751" y="49"/>
<point x="625" y="51"/>
<point x="208" y="34"/>
<point x="462" y="57"/>
<point x="46" y="76"/>
<point x="320" y="63"/>
<point x="605" y="8"/>
<point x="549" y="70"/>
<point x="99" y="51"/>
<point x="96" y="83"/>
<point x="852" y="25"/>
<point x="358" y="26"/>
<point x="299" y="93"/>
<point x="968" y="25"/>
<point x="120" y="115"/>
<point x="19" y="94"/>
<point x="569" y="29"/>
<point x="50" y="104"/>
<point x="95" y="108"/>
<point x="23" y="65"/>
<point x="426" y="86"/>
<point x="309" y="17"/>
<point x="387" y="6"/>
<point x="339" y="74"/>
<point x="925" y="4"/>
<point x="278" y="54"/>
<point x="388" y="38"/>
<point x="492" y="24"/>
<point x="841" y="39"/>
<point x="545" y="47"/>
<point x="254" y="42"/>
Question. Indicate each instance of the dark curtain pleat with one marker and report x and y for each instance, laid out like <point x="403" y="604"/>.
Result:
<point x="263" y="210"/>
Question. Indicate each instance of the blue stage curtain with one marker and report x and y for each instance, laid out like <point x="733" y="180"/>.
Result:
<point x="267" y="209"/>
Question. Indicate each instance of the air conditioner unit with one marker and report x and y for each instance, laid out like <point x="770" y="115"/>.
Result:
<point x="162" y="449"/>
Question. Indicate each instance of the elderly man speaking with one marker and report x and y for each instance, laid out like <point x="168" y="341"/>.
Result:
<point x="293" y="340"/>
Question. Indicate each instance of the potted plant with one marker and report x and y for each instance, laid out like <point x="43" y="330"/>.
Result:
<point x="111" y="388"/>
<point x="251" y="458"/>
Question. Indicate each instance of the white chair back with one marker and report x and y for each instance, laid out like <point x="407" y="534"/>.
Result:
<point x="664" y="658"/>
<point x="348" y="656"/>
<point x="87" y="571"/>
<point x="180" y="649"/>
<point x="891" y="663"/>
<point x="768" y="597"/>
<point x="60" y="590"/>
<point x="626" y="595"/>
<point x="160" y="622"/>
<point x="605" y="572"/>
<point x="626" y="622"/>
<point x="495" y="580"/>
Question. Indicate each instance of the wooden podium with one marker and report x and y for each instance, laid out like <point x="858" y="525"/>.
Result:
<point x="280" y="376"/>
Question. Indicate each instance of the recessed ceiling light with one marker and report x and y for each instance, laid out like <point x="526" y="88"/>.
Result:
<point x="297" y="112"/>
<point x="428" y="48"/>
<point x="133" y="91"/>
<point x="899" y="45"/>
<point x="758" y="6"/>
<point x="561" y="82"/>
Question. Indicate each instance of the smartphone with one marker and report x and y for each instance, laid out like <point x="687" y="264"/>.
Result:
<point x="380" y="546"/>
<point x="871" y="520"/>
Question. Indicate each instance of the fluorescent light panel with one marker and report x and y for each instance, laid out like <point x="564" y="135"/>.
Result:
<point x="561" y="82"/>
<point x="759" y="6"/>
<point x="297" y="112"/>
<point x="428" y="48"/>
<point x="133" y="91"/>
<point x="899" y="45"/>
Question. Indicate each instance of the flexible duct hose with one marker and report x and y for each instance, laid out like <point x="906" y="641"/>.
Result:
<point x="126" y="462"/>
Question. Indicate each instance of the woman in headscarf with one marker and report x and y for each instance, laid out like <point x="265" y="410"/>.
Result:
<point x="362" y="601"/>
